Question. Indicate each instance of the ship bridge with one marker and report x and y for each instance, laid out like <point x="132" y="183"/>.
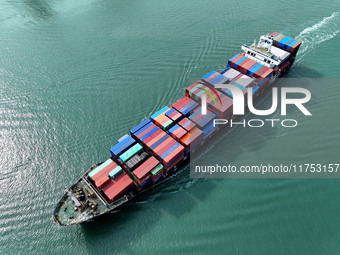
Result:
<point x="265" y="53"/>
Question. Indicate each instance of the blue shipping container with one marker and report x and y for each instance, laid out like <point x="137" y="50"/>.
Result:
<point x="139" y="126"/>
<point x="234" y="57"/>
<point x="208" y="75"/>
<point x="225" y="70"/>
<point x="122" y="138"/>
<point x="173" y="129"/>
<point x="144" y="128"/>
<point x="155" y="115"/>
<point x="208" y="130"/>
<point x="188" y="108"/>
<point x="171" y="149"/>
<point x="154" y="146"/>
<point x="253" y="71"/>
<point x="121" y="147"/>
<point x="240" y="61"/>
<point x="256" y="89"/>
<point x="252" y="67"/>
<point x="291" y="44"/>
<point x="152" y="131"/>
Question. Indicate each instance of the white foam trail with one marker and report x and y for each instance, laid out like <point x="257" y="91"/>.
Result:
<point x="320" y="32"/>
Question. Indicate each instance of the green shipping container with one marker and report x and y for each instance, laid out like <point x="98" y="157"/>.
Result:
<point x="167" y="125"/>
<point x="137" y="148"/>
<point x="101" y="167"/>
<point x="115" y="172"/>
<point x="156" y="170"/>
<point x="277" y="37"/>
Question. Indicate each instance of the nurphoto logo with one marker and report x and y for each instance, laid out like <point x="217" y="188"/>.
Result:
<point x="239" y="104"/>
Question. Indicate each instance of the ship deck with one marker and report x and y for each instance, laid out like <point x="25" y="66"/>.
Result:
<point x="67" y="213"/>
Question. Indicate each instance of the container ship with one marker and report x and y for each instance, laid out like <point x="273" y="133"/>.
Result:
<point x="157" y="147"/>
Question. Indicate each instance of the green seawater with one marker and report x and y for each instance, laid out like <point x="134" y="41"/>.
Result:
<point x="77" y="75"/>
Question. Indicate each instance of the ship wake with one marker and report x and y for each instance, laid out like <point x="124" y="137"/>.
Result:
<point x="324" y="30"/>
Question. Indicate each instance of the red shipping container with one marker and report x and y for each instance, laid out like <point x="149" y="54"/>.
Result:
<point x="146" y="140"/>
<point x="117" y="186"/>
<point x="191" y="87"/>
<point x="274" y="34"/>
<point x="101" y="181"/>
<point x="146" y="131"/>
<point x="154" y="140"/>
<point x="162" y="144"/>
<point x="195" y="135"/>
<point x="295" y="47"/>
<point x="104" y="171"/>
<point x="178" y="133"/>
<point x="167" y="168"/>
<point x="175" y="115"/>
<point x="225" y="110"/>
<point x="166" y="147"/>
<point x="263" y="72"/>
<point x="247" y="65"/>
<point x="173" y="155"/>
<point x="212" y="76"/>
<point x="144" y="170"/>
<point x="241" y="65"/>
<point x="180" y="103"/>
<point x="187" y="124"/>
<point x="235" y="60"/>
<point x="268" y="73"/>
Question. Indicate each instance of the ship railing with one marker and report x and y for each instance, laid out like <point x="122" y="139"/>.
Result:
<point x="93" y="190"/>
<point x="120" y="201"/>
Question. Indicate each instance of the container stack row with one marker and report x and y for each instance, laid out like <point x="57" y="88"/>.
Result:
<point x="161" y="119"/>
<point x="110" y="178"/>
<point x="117" y="186"/>
<point x="285" y="42"/>
<point x="247" y="66"/>
<point x="213" y="78"/>
<point x="159" y="143"/>
<point x="203" y="121"/>
<point x="143" y="174"/>
<point x="185" y="105"/>
<point x="194" y="136"/>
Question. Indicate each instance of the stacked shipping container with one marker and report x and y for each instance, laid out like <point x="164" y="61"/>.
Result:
<point x="222" y="110"/>
<point x="162" y="146"/>
<point x="203" y="122"/>
<point x="185" y="106"/>
<point x="161" y="119"/>
<point x="100" y="175"/>
<point x="251" y="68"/>
<point x="286" y="43"/>
<point x="142" y="174"/>
<point x="173" y="132"/>
<point x="117" y="186"/>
